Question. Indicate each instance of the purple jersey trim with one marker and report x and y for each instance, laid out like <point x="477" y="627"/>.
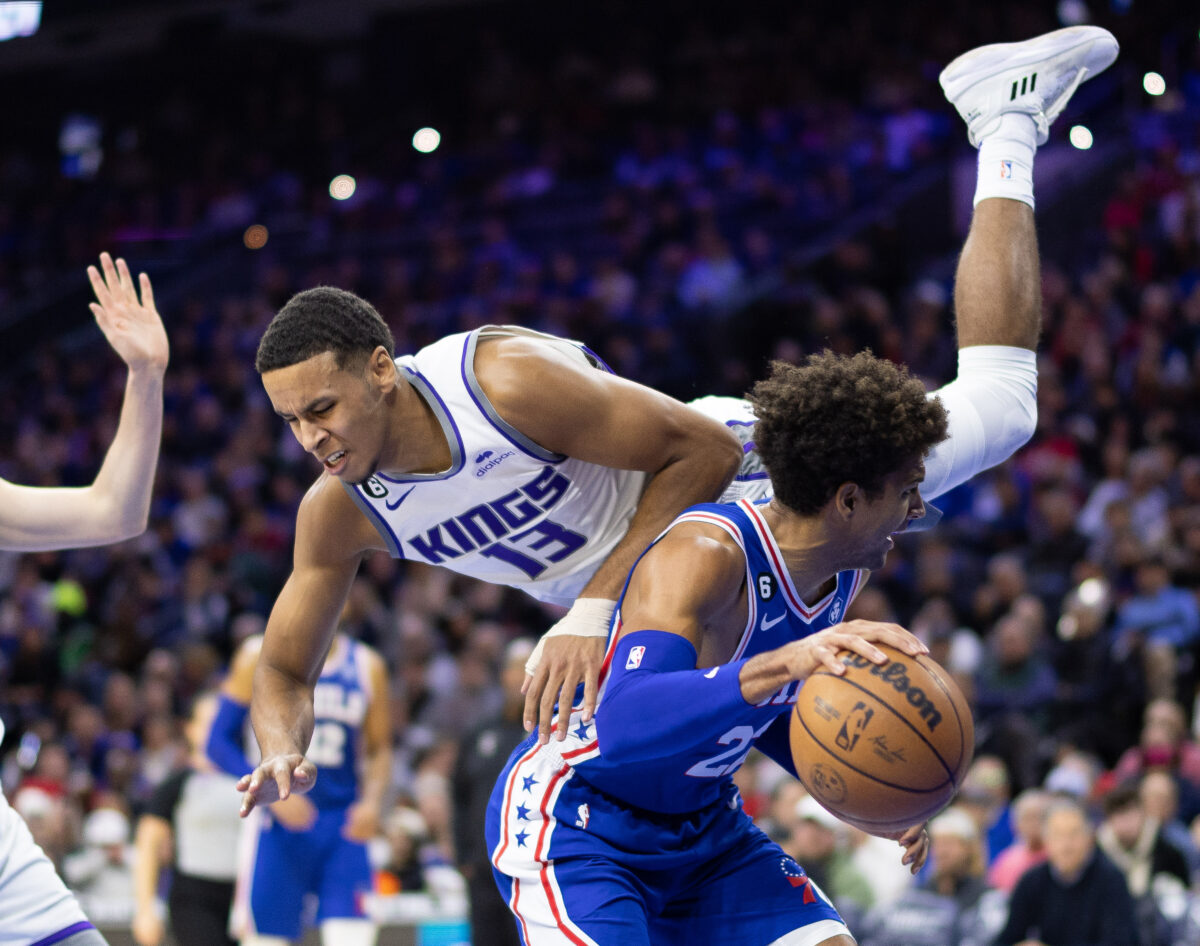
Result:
<point x="63" y="934"/>
<point x="510" y="433"/>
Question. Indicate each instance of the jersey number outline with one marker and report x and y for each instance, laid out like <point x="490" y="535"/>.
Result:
<point x="546" y="533"/>
<point x="730" y="760"/>
<point x="327" y="749"/>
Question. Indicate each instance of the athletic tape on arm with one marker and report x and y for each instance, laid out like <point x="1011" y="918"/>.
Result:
<point x="992" y="408"/>
<point x="588" y="617"/>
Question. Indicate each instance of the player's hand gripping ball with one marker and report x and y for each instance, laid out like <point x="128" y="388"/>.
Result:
<point x="883" y="746"/>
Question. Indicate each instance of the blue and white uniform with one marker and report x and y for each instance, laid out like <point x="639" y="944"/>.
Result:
<point x="279" y="867"/>
<point x="507" y="510"/>
<point x="36" y="908"/>
<point x="603" y="839"/>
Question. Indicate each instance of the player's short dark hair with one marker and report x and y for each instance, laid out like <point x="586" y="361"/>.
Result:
<point x="320" y="320"/>
<point x="838" y="419"/>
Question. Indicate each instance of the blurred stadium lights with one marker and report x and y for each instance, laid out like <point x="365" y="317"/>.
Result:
<point x="255" y="237"/>
<point x="79" y="145"/>
<point x="19" y="19"/>
<point x="1154" y="84"/>
<point x="426" y="140"/>
<point x="1081" y="137"/>
<point x="342" y="187"/>
<point x="1073" y="12"/>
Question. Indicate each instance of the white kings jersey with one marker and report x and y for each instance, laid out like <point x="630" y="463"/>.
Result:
<point x="508" y="511"/>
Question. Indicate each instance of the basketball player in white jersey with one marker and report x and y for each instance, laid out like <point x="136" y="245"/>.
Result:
<point x="36" y="909"/>
<point x="517" y="458"/>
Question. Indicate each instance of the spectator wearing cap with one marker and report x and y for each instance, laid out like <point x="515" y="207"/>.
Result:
<point x="819" y="844"/>
<point x="102" y="871"/>
<point x="942" y="909"/>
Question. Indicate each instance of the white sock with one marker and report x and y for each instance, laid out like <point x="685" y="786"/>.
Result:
<point x="1006" y="160"/>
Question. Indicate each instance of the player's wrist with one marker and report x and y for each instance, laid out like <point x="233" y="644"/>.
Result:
<point x="587" y="617"/>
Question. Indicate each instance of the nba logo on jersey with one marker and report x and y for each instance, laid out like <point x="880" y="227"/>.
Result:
<point x="835" y="611"/>
<point x="1005" y="170"/>
<point x="635" y="657"/>
<point x="585" y="815"/>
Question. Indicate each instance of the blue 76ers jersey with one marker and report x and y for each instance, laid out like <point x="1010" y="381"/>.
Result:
<point x="340" y="701"/>
<point x="694" y="776"/>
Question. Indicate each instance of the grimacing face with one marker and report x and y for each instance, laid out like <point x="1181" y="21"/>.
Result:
<point x="335" y="414"/>
<point x="883" y="516"/>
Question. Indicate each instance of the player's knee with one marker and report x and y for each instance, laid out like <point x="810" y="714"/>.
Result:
<point x="348" y="932"/>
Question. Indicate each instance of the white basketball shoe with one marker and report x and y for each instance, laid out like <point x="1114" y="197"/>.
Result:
<point x="1036" y="77"/>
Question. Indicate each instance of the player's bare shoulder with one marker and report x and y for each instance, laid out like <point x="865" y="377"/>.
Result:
<point x="509" y="367"/>
<point x="698" y="566"/>
<point x="330" y="525"/>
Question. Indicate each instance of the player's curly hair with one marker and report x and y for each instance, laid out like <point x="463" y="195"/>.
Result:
<point x="320" y="320"/>
<point x="838" y="419"/>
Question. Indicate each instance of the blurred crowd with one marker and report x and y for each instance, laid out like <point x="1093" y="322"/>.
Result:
<point x="649" y="203"/>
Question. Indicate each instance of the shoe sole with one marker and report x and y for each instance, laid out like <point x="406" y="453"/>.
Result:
<point x="987" y="62"/>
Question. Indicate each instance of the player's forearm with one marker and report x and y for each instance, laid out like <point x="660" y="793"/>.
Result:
<point x="377" y="776"/>
<point x="698" y="478"/>
<point x="766" y="674"/>
<point x="281" y="711"/>
<point x="123" y="486"/>
<point x="146" y="865"/>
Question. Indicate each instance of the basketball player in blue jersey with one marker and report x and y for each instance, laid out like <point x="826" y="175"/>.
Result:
<point x="36" y="909"/>
<point x="314" y="844"/>
<point x="631" y="830"/>
<point x="518" y="458"/>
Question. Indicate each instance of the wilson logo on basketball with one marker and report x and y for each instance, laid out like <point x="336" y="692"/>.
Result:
<point x="896" y="674"/>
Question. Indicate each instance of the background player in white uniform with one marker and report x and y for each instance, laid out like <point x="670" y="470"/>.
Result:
<point x="327" y="368"/>
<point x="35" y="906"/>
<point x="314" y="844"/>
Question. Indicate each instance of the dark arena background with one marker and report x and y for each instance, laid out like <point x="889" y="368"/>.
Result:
<point x="692" y="189"/>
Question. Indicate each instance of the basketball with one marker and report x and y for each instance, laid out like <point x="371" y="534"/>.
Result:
<point x="884" y="746"/>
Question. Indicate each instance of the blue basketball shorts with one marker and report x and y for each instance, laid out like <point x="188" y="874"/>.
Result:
<point x="279" y="869"/>
<point x="577" y="866"/>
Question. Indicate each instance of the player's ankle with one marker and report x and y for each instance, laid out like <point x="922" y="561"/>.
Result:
<point x="1006" y="160"/>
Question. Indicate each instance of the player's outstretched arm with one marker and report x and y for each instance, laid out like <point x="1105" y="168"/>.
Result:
<point x="331" y="537"/>
<point x="573" y="409"/>
<point x="116" y="505"/>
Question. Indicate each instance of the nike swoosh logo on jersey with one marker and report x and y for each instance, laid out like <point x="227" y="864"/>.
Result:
<point x="767" y="625"/>
<point x="403" y="496"/>
<point x="712" y="673"/>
